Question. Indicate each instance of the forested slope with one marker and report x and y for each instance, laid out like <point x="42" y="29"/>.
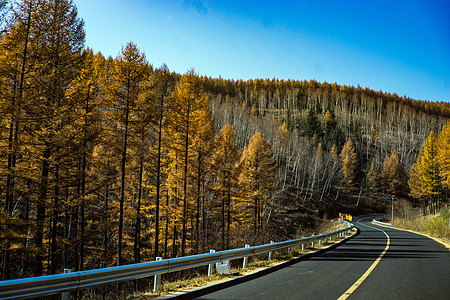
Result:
<point x="107" y="161"/>
<point x="308" y="123"/>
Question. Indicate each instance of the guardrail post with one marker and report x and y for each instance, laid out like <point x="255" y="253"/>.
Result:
<point x="303" y="247"/>
<point x="244" y="264"/>
<point x="289" y="251"/>
<point x="211" y="266"/>
<point x="157" y="281"/>
<point x="270" y="252"/>
<point x="66" y="295"/>
<point x="312" y="245"/>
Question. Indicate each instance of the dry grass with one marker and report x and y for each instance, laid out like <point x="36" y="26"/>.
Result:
<point x="434" y="225"/>
<point x="255" y="262"/>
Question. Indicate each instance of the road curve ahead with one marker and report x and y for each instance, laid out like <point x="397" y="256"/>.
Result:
<point x="378" y="263"/>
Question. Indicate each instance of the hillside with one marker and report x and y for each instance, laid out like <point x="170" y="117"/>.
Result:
<point x="376" y="122"/>
<point x="110" y="161"/>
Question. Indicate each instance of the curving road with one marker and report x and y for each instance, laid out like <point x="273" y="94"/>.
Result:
<point x="377" y="263"/>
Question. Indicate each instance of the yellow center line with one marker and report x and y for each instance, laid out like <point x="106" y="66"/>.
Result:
<point x="372" y="267"/>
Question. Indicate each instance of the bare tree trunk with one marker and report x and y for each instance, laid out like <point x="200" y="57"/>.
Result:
<point x="137" y="230"/>
<point x="228" y="215"/>
<point x="54" y="223"/>
<point x="105" y="220"/>
<point x="158" y="184"/>
<point x="223" y="220"/>
<point x="122" y="186"/>
<point x="40" y="215"/>
<point x="186" y="154"/>
<point x="197" y="215"/>
<point x="167" y="226"/>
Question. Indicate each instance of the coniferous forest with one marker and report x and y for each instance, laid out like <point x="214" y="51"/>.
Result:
<point x="110" y="161"/>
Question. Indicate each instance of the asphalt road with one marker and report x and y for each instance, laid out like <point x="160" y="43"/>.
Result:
<point x="377" y="263"/>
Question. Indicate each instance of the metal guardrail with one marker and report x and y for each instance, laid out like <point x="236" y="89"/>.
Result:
<point x="381" y="223"/>
<point x="53" y="284"/>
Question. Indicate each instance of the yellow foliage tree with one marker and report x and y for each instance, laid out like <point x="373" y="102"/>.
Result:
<point x="254" y="111"/>
<point x="329" y="122"/>
<point x="130" y="73"/>
<point x="256" y="180"/>
<point x="202" y="145"/>
<point x="428" y="167"/>
<point x="393" y="175"/>
<point x="443" y="155"/>
<point x="415" y="182"/>
<point x="188" y="101"/>
<point x="334" y="153"/>
<point x="224" y="161"/>
<point x="283" y="132"/>
<point x="348" y="164"/>
<point x="373" y="178"/>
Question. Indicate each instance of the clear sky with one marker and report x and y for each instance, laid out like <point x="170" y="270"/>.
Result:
<point x="396" y="46"/>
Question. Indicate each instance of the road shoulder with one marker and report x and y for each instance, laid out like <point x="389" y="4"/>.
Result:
<point x="444" y="243"/>
<point x="229" y="280"/>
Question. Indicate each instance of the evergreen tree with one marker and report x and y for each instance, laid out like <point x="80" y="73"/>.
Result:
<point x="329" y="122"/>
<point x="332" y="133"/>
<point x="311" y="126"/>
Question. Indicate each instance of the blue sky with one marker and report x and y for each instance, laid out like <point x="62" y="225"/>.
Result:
<point x="398" y="46"/>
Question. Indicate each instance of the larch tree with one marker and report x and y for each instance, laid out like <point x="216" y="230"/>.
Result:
<point x="174" y="197"/>
<point x="16" y="66"/>
<point x="334" y="168"/>
<point x="443" y="155"/>
<point x="202" y="145"/>
<point x="187" y="100"/>
<point x="349" y="163"/>
<point x="87" y="89"/>
<point x="428" y="167"/>
<point x="163" y="85"/>
<point x="130" y="70"/>
<point x="415" y="180"/>
<point x="224" y="162"/>
<point x="141" y="140"/>
<point x="373" y="178"/>
<point x="393" y="175"/>
<point x="256" y="180"/>
<point x="57" y="51"/>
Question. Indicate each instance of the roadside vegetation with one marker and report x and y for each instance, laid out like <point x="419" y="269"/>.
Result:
<point x="436" y="225"/>
<point x="188" y="279"/>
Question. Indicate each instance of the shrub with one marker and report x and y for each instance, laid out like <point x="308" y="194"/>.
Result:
<point x="438" y="226"/>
